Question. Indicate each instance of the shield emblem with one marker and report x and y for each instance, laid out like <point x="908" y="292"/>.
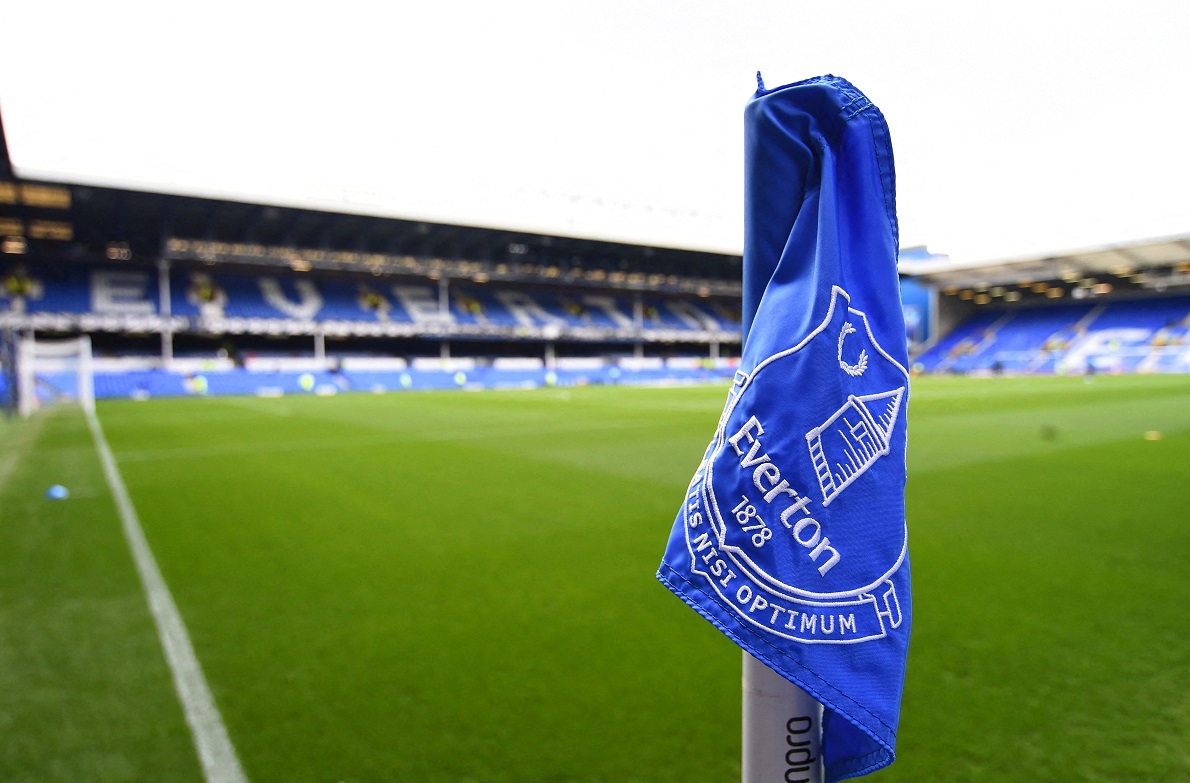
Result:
<point x="802" y="488"/>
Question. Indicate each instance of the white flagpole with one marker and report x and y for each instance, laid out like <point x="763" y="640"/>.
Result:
<point x="782" y="729"/>
<point x="782" y="724"/>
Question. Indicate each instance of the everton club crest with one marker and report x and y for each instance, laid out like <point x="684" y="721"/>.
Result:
<point x="795" y="517"/>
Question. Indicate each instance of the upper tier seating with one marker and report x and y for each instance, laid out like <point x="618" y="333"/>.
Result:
<point x="233" y="300"/>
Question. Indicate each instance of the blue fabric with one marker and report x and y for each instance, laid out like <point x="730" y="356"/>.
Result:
<point x="792" y="537"/>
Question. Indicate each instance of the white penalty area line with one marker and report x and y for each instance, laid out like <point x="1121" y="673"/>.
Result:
<point x="215" y="751"/>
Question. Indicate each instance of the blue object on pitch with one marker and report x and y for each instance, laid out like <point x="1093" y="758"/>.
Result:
<point x="57" y="492"/>
<point x="792" y="537"/>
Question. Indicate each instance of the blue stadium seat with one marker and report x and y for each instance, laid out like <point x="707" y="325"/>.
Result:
<point x="1130" y="335"/>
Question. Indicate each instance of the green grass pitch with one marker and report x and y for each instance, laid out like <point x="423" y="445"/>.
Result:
<point x="459" y="587"/>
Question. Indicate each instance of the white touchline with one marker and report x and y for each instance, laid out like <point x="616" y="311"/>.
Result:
<point x="215" y="751"/>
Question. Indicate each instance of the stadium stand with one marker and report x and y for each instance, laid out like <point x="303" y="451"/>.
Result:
<point x="187" y="295"/>
<point x="183" y="294"/>
<point x="1114" y="308"/>
<point x="1146" y="335"/>
<point x="249" y="304"/>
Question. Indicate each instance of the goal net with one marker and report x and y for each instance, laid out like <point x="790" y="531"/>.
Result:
<point x="52" y="371"/>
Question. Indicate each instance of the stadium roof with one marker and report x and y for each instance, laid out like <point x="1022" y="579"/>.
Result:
<point x="80" y="222"/>
<point x="1155" y="264"/>
<point x="5" y="161"/>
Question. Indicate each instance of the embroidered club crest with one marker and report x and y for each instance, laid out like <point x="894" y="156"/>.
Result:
<point x="776" y="516"/>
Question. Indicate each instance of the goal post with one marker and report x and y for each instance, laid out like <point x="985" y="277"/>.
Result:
<point x="51" y="371"/>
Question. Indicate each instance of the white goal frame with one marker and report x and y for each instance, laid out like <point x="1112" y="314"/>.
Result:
<point x="34" y="357"/>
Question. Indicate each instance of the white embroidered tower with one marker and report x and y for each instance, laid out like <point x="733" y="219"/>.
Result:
<point x="850" y="441"/>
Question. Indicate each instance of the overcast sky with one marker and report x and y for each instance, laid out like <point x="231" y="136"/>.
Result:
<point x="1017" y="127"/>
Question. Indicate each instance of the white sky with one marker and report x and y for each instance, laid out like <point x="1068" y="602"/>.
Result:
<point x="1017" y="127"/>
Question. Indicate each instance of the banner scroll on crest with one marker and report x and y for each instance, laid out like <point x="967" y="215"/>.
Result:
<point x="792" y="538"/>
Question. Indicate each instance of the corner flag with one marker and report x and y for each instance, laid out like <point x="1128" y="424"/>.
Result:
<point x="792" y="537"/>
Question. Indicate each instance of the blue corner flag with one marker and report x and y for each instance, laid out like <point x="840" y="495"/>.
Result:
<point x="792" y="537"/>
